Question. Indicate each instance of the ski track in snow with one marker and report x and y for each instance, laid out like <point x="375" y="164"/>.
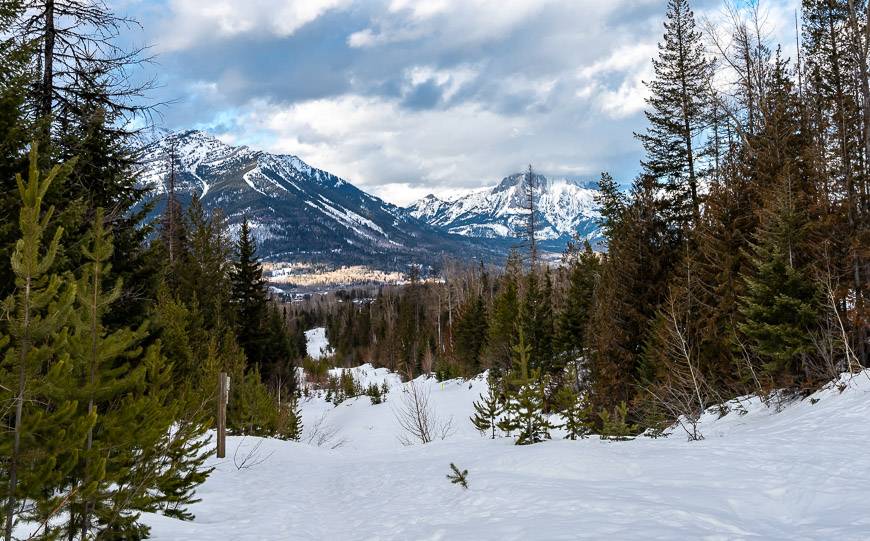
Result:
<point x="801" y="473"/>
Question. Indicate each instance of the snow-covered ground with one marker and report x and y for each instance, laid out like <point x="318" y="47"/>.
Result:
<point x="316" y="344"/>
<point x="799" y="470"/>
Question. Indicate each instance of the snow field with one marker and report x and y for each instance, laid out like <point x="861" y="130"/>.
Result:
<point x="802" y="473"/>
<point x="316" y="344"/>
<point x="794" y="470"/>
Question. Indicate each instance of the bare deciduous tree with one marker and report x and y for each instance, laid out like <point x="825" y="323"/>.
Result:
<point x="417" y="418"/>
<point x="682" y="393"/>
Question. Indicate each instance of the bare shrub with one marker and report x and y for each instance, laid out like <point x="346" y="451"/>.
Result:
<point x="417" y="417"/>
<point x="683" y="392"/>
<point x="322" y="434"/>
<point x="253" y="457"/>
<point x="837" y="341"/>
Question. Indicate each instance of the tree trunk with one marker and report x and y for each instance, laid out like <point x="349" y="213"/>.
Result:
<point x="861" y="47"/>
<point x="48" y="65"/>
<point x="19" y="410"/>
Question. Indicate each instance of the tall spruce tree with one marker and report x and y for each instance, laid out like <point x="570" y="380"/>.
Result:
<point x="470" y="332"/>
<point x="573" y="318"/>
<point x="502" y="330"/>
<point x="676" y="114"/>
<point x="249" y="295"/>
<point x="15" y="77"/>
<point x="536" y="319"/>
<point x="781" y="306"/>
<point x="633" y="281"/>
<point x="611" y="202"/>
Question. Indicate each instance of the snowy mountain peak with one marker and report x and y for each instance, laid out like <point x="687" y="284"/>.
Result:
<point x="296" y="211"/>
<point x="566" y="207"/>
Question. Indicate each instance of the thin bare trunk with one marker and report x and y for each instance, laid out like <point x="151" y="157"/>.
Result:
<point x="19" y="410"/>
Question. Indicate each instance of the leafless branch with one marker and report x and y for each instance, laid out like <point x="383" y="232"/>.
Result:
<point x="252" y="458"/>
<point x="417" y="417"/>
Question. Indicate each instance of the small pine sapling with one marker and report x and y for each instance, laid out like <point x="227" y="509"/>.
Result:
<point x="574" y="411"/>
<point x="614" y="427"/>
<point x="458" y="477"/>
<point x="487" y="412"/>
<point x="532" y="423"/>
<point x="374" y="393"/>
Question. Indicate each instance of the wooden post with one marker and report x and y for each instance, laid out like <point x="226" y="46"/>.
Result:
<point x="222" y="416"/>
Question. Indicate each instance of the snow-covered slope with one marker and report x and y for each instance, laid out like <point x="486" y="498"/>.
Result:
<point x="316" y="344"/>
<point x="566" y="207"/>
<point x="296" y="211"/>
<point x="796" y="472"/>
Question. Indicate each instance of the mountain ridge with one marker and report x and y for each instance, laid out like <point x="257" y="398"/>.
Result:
<point x="301" y="213"/>
<point x="297" y="212"/>
<point x="566" y="210"/>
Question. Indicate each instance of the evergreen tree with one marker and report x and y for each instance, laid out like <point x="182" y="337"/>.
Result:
<point x="14" y="135"/>
<point x="487" y="411"/>
<point x="614" y="426"/>
<point x="470" y="332"/>
<point x="536" y="320"/>
<point x="176" y="464"/>
<point x="573" y="318"/>
<point x="611" y="202"/>
<point x="530" y="420"/>
<point x="280" y="352"/>
<point x="676" y="114"/>
<point x="249" y="296"/>
<point x="203" y="277"/>
<point x="547" y="327"/>
<point x="524" y="399"/>
<point x="110" y="373"/>
<point x="458" y="477"/>
<point x="40" y="448"/>
<point x="574" y="411"/>
<point x="292" y="429"/>
<point x="633" y="281"/>
<point x="781" y="304"/>
<point x="502" y="331"/>
<point x="104" y="177"/>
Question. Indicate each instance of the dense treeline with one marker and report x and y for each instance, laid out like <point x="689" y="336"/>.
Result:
<point x="737" y="261"/>
<point x="112" y="330"/>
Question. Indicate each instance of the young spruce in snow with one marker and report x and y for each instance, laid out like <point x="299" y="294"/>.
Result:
<point x="458" y="477"/>
<point x="487" y="411"/>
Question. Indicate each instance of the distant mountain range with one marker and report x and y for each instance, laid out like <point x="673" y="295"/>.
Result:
<point x="565" y="210"/>
<point x="301" y="213"/>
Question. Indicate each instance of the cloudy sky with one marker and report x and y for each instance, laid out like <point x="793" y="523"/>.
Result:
<point x="409" y="97"/>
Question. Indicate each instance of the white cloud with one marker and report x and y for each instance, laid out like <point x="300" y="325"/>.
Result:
<point x="630" y="66"/>
<point x="402" y="155"/>
<point x="192" y="22"/>
<point x="373" y="142"/>
<point x="440" y="95"/>
<point x="450" y="81"/>
<point x="457" y="21"/>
